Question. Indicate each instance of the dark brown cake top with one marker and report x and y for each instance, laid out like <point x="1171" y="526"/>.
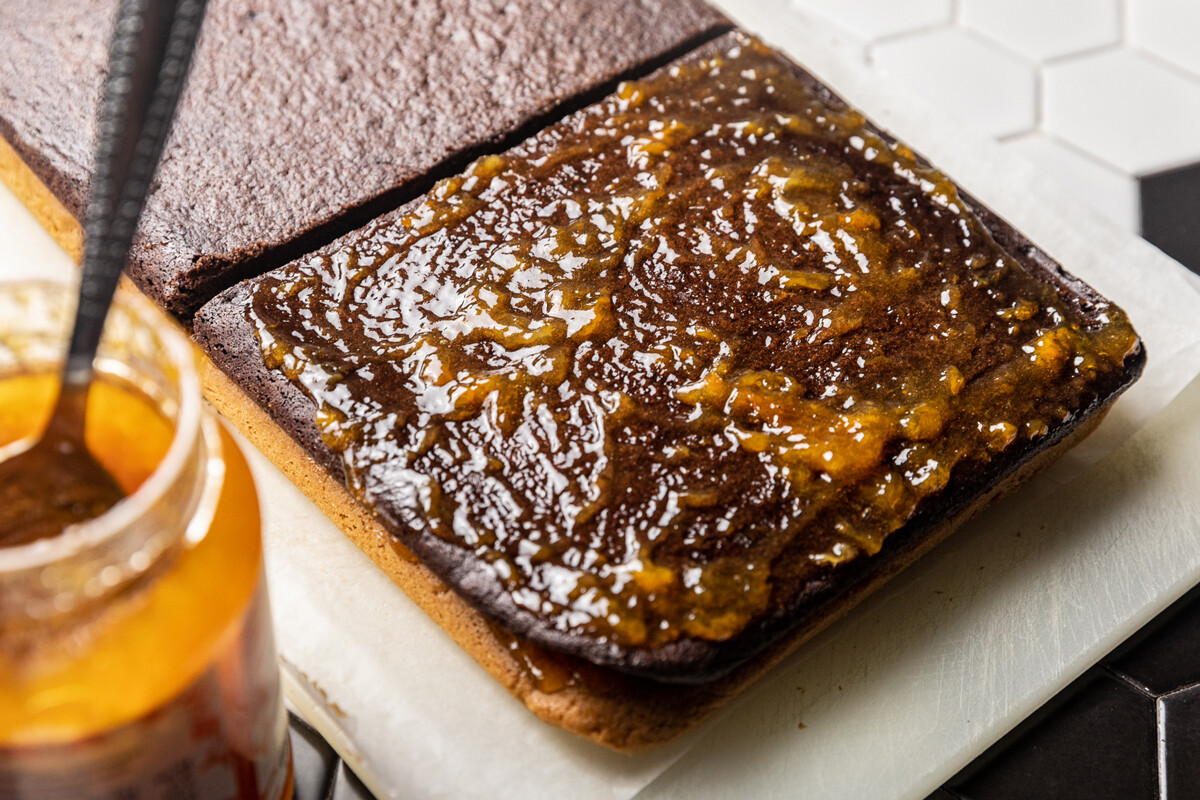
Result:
<point x="675" y="357"/>
<point x="52" y="64"/>
<point x="298" y="111"/>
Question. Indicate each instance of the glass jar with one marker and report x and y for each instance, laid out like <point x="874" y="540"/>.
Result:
<point x="136" y="653"/>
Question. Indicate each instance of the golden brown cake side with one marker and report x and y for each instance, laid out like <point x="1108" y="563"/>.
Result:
<point x="41" y="202"/>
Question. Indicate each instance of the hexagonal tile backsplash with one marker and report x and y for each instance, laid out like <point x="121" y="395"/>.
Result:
<point x="993" y="89"/>
<point x="1168" y="28"/>
<point x="873" y="19"/>
<point x="1124" y="108"/>
<point x="1041" y="30"/>
<point x="1098" y="93"/>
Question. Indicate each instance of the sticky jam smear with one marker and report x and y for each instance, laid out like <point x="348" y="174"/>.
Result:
<point x="673" y="357"/>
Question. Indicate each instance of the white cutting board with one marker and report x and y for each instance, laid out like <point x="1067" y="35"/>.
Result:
<point x="893" y="699"/>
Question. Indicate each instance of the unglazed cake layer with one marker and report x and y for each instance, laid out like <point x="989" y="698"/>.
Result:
<point x="682" y="374"/>
<point x="303" y="120"/>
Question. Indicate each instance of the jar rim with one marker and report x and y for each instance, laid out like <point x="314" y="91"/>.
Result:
<point x="83" y="536"/>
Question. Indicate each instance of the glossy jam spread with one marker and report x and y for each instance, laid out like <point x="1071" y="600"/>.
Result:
<point x="673" y="357"/>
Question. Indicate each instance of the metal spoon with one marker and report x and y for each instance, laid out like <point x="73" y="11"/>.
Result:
<point x="53" y="481"/>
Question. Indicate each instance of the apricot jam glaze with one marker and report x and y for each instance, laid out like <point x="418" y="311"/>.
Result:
<point x="136" y="655"/>
<point x="673" y="357"/>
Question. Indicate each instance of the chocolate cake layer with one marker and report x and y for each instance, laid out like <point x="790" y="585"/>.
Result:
<point x="668" y="379"/>
<point x="51" y="76"/>
<point x="304" y="120"/>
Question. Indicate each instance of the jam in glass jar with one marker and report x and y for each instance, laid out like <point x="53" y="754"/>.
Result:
<point x="136" y="652"/>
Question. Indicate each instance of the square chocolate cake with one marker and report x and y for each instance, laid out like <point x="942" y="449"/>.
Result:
<point x="665" y="388"/>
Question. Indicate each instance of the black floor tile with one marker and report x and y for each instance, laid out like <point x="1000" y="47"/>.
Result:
<point x="1165" y="655"/>
<point x="1099" y="743"/>
<point x="1181" y="730"/>
<point x="1170" y="209"/>
<point x="313" y="761"/>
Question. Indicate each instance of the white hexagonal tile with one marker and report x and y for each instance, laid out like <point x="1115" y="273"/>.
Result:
<point x="968" y="76"/>
<point x="845" y="42"/>
<point x="1044" y="29"/>
<point x="1091" y="182"/>
<point x="1167" y="28"/>
<point x="871" y="19"/>
<point x="1132" y="112"/>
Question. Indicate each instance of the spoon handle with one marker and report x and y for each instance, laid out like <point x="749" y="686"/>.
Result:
<point x="149" y="54"/>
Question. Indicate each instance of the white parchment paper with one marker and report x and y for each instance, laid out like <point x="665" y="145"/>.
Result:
<point x="894" y="698"/>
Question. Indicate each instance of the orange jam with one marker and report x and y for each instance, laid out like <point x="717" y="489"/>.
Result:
<point x="170" y="684"/>
<point x="653" y="375"/>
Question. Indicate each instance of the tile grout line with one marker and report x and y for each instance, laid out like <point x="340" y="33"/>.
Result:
<point x="1165" y="63"/>
<point x="1087" y="52"/>
<point x="1087" y="154"/>
<point x="1009" y="138"/>
<point x="1160" y="714"/>
<point x="1039" y="95"/>
<point x="890" y="38"/>
<point x="987" y="40"/>
<point x="1160" y="727"/>
<point x="1187" y="688"/>
<point x="1038" y="62"/>
<point x="1128" y="681"/>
